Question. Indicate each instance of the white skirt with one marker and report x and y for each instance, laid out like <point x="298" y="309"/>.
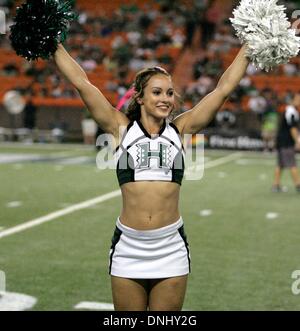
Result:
<point x="151" y="254"/>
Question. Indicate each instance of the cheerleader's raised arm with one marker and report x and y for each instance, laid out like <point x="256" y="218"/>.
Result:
<point x="199" y="117"/>
<point x="39" y="29"/>
<point x="263" y="26"/>
<point x="108" y="118"/>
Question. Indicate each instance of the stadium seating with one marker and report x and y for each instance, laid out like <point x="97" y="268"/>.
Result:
<point x="100" y="76"/>
<point x="108" y="79"/>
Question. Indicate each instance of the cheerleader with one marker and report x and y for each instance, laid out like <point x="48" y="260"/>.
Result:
<point x="149" y="259"/>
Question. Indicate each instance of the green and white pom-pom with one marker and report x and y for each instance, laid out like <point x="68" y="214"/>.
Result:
<point x="39" y="26"/>
<point x="264" y="27"/>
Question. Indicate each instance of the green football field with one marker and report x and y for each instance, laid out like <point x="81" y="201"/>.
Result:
<point x="244" y="240"/>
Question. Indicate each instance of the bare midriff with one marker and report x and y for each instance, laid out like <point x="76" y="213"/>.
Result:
<point x="149" y="205"/>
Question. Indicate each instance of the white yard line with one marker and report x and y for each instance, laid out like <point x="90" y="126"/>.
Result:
<point x="222" y="160"/>
<point x="94" y="305"/>
<point x="92" y="202"/>
<point x="59" y="213"/>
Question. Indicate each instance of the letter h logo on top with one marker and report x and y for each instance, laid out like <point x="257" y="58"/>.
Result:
<point x="163" y="154"/>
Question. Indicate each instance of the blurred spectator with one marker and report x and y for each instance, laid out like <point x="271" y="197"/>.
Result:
<point x="7" y="3"/>
<point x="211" y="17"/>
<point x="199" y="66"/>
<point x="246" y="86"/>
<point x="29" y="112"/>
<point x="268" y="130"/>
<point x="269" y="119"/>
<point x="252" y="70"/>
<point x="226" y="120"/>
<point x="271" y="100"/>
<point x="10" y="69"/>
<point x="289" y="69"/>
<point x="288" y="97"/>
<point x="133" y="37"/>
<point x="31" y="70"/>
<point x="57" y="91"/>
<point x="191" y="21"/>
<point x="223" y="40"/>
<point x="213" y="66"/>
<point x="88" y="64"/>
<point x="288" y="138"/>
<point x="144" y="21"/>
<point x="257" y="104"/>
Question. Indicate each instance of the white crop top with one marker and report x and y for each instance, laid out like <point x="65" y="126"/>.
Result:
<point x="141" y="157"/>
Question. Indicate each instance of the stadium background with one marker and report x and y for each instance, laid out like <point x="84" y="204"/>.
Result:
<point x="244" y="239"/>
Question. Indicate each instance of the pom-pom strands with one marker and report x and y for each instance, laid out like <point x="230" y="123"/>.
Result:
<point x="39" y="26"/>
<point x="264" y="27"/>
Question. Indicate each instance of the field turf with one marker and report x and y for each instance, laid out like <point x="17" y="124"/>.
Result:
<point x="244" y="239"/>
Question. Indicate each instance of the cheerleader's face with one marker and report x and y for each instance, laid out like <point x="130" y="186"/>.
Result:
<point x="159" y="97"/>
